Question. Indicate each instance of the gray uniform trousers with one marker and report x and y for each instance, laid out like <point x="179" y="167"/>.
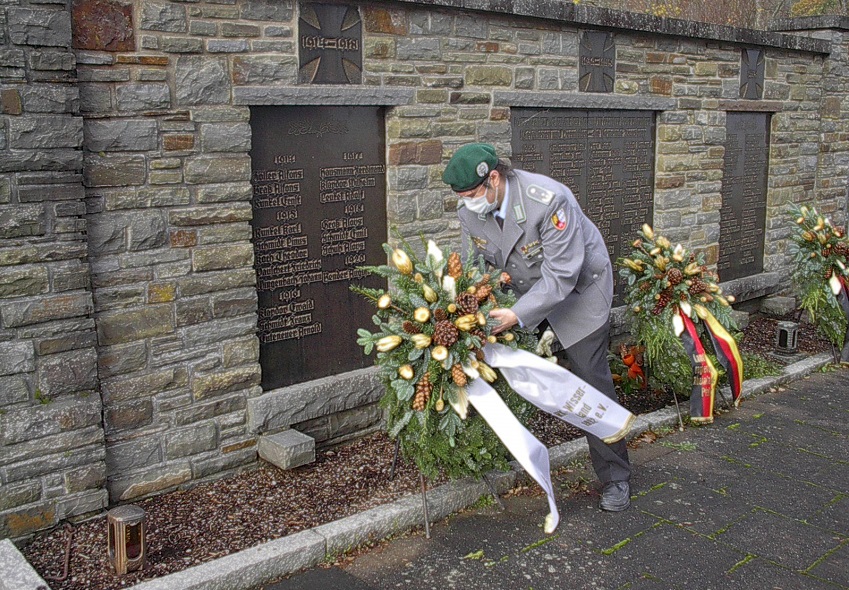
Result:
<point x="587" y="359"/>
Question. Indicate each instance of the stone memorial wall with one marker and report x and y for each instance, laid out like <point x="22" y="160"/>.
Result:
<point x="148" y="304"/>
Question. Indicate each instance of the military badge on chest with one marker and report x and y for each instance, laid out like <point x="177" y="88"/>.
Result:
<point x="480" y="243"/>
<point x="559" y="220"/>
<point x="531" y="249"/>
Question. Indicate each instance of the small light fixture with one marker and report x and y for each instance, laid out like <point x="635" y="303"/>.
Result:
<point x="126" y="538"/>
<point x="786" y="337"/>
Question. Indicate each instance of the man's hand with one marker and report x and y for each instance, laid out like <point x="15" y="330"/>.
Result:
<point x="507" y="318"/>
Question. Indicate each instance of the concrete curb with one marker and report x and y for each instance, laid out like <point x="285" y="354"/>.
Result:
<point x="264" y="563"/>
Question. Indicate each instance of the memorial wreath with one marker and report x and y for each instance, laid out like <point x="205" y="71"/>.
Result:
<point x="820" y="275"/>
<point x="676" y="307"/>
<point x="432" y="324"/>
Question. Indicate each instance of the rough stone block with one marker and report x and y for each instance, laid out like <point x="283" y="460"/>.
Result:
<point x="287" y="449"/>
<point x="220" y="382"/>
<point x="46" y="309"/>
<point x="201" y="80"/>
<point x="127" y="326"/>
<point x="121" y="135"/>
<point x="21" y="221"/>
<point x="15" y="571"/>
<point x="143" y="97"/>
<point x="114" y="170"/>
<point x="163" y="16"/>
<point x="39" y="421"/>
<point x="191" y="441"/>
<point x="51" y="28"/>
<point x="149" y="482"/>
<point x="45" y="131"/>
<point x="14" y="390"/>
<point x="68" y="372"/>
<point x="741" y="318"/>
<point x="133" y="454"/>
<point x="778" y="305"/>
<point x="205" y="169"/>
<point x="225" y="137"/>
<point x="103" y="25"/>
<point x="16" y="357"/>
<point x="222" y="257"/>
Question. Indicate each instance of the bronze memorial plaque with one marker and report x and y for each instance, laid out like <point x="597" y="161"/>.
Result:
<point x="742" y="217"/>
<point x="605" y="157"/>
<point x="752" y="70"/>
<point x="330" y="44"/>
<point x="596" y="62"/>
<point x="319" y="212"/>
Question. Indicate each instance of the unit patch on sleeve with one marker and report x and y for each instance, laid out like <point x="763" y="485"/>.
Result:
<point x="559" y="219"/>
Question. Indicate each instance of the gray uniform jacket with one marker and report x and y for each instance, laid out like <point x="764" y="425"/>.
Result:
<point x="554" y="254"/>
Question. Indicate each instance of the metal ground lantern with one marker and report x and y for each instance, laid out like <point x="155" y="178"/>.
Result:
<point x="126" y="538"/>
<point x="786" y="337"/>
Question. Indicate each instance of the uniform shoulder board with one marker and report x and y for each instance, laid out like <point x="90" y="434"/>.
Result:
<point x="539" y="194"/>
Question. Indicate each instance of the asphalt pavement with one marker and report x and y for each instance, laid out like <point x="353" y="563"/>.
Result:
<point x="757" y="500"/>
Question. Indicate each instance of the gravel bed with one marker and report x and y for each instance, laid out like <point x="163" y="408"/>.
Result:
<point x="216" y="518"/>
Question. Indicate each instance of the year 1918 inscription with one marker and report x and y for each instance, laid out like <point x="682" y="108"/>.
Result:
<point x="319" y="214"/>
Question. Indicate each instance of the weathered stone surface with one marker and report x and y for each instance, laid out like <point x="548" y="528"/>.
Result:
<point x="136" y="453"/>
<point x="56" y="444"/>
<point x="13" y="390"/>
<point x="287" y="449"/>
<point x="103" y="25"/>
<point x="163" y="16"/>
<point x="227" y="381"/>
<point x="149" y="482"/>
<point x="283" y="407"/>
<point x="19" y="494"/>
<point x="22" y="220"/>
<point x="36" y="27"/>
<point x="33" y="311"/>
<point x="206" y="169"/>
<point x="191" y="441"/>
<point x="121" y="135"/>
<point x="222" y="257"/>
<point x="129" y="415"/>
<point x="201" y="81"/>
<point x="20" y="521"/>
<point x="44" y="420"/>
<point x="127" y="326"/>
<point x="16" y="357"/>
<point x="262" y="70"/>
<point x="143" y="97"/>
<point x="46" y="131"/>
<point x="127" y="387"/>
<point x="225" y="137"/>
<point x="114" y="170"/>
<point x="777" y="305"/>
<point x="68" y="372"/>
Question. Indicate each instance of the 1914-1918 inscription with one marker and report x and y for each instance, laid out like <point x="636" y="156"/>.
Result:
<point x="319" y="213"/>
<point x="742" y="217"/>
<point x="605" y="157"/>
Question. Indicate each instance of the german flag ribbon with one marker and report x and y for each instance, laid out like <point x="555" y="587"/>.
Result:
<point x="704" y="373"/>
<point x="726" y="351"/>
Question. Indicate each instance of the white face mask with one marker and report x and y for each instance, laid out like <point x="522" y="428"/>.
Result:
<point x="481" y="205"/>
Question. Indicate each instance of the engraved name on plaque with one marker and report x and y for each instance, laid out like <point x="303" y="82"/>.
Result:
<point x="605" y="157"/>
<point x="742" y="216"/>
<point x="319" y="213"/>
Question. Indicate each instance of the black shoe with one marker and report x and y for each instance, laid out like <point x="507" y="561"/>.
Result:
<point x="615" y="496"/>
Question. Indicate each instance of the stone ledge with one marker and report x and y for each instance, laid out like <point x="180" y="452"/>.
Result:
<point x="581" y="100"/>
<point x="323" y="95"/>
<point x="15" y="572"/>
<point x="280" y="408"/>
<point x="752" y="287"/>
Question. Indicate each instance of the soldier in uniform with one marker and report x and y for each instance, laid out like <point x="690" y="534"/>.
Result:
<point x="532" y="227"/>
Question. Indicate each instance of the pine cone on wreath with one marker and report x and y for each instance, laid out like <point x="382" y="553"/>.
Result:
<point x="410" y="328"/>
<point x="697" y="286"/>
<point x="445" y="334"/>
<point x="467" y="303"/>
<point x="483" y="292"/>
<point x="675" y="276"/>
<point x="424" y="388"/>
<point x="458" y="376"/>
<point x="455" y="266"/>
<point x="440" y="314"/>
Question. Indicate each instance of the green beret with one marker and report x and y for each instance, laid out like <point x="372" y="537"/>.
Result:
<point x="469" y="166"/>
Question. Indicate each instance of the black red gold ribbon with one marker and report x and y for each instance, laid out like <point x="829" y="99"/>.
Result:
<point x="726" y="352"/>
<point x="839" y="288"/>
<point x="704" y="373"/>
